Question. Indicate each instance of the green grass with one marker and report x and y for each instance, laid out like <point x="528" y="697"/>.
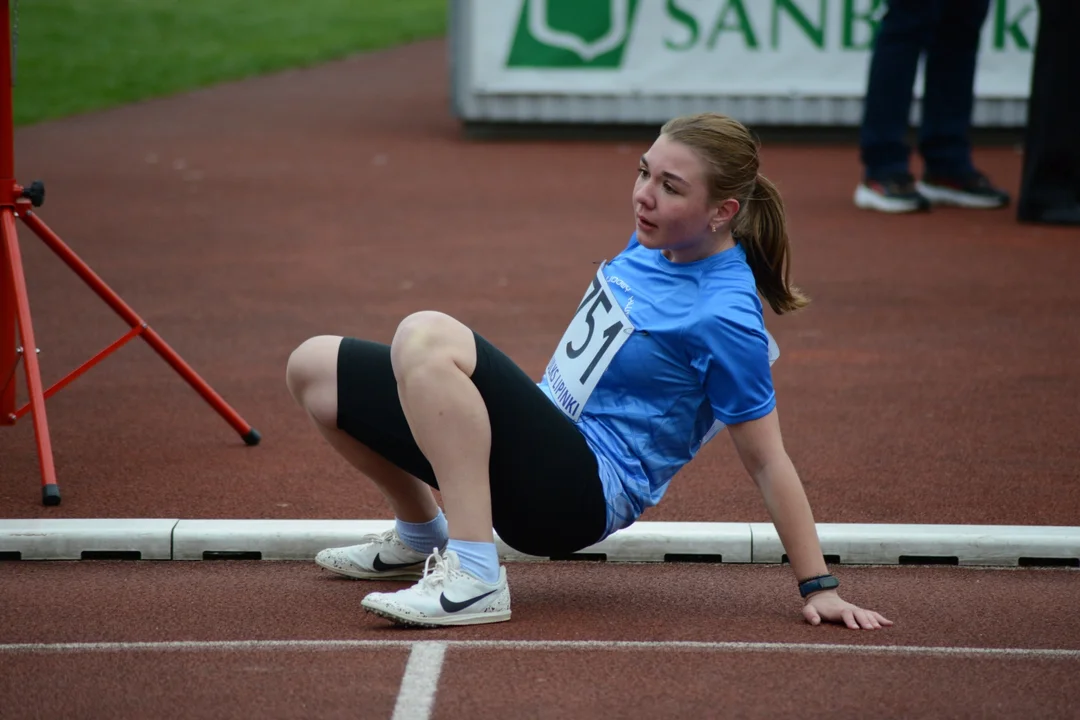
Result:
<point x="75" y="56"/>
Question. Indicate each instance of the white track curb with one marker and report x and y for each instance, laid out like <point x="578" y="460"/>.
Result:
<point x="72" y="539"/>
<point x="857" y="544"/>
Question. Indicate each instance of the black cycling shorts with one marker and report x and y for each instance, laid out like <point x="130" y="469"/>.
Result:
<point x="546" y="495"/>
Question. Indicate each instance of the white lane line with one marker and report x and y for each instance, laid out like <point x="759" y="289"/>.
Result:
<point x="421" y="680"/>
<point x="597" y="645"/>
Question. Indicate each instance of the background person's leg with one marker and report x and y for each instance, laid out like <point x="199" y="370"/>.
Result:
<point x="1050" y="183"/>
<point x="948" y="100"/>
<point x="949" y="91"/>
<point x="901" y="38"/>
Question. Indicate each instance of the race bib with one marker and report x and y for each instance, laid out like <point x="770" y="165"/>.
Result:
<point x="597" y="331"/>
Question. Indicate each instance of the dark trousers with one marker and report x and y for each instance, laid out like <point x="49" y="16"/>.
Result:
<point x="1050" y="183"/>
<point x="947" y="32"/>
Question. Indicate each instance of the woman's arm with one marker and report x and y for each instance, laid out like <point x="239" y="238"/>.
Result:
<point x="762" y="452"/>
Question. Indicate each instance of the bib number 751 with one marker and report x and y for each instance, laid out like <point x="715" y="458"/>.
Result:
<point x="596" y="332"/>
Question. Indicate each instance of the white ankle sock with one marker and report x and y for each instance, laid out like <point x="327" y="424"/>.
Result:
<point x="480" y="559"/>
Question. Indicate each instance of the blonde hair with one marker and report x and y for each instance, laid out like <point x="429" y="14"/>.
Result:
<point x="760" y="227"/>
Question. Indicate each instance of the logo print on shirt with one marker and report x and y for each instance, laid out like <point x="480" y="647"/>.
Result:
<point x="616" y="280"/>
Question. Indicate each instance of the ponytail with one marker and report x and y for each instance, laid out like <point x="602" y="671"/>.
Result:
<point x="761" y="228"/>
<point x="730" y="154"/>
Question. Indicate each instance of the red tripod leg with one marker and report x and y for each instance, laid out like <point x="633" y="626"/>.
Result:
<point x="9" y="358"/>
<point x="50" y="491"/>
<point x="249" y="434"/>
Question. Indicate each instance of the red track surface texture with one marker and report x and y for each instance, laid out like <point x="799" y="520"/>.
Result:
<point x="83" y="602"/>
<point x="933" y="380"/>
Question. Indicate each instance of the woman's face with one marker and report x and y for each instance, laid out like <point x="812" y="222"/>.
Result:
<point x="671" y="199"/>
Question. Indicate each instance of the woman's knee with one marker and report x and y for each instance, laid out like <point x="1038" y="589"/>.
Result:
<point x="311" y="376"/>
<point x="429" y="336"/>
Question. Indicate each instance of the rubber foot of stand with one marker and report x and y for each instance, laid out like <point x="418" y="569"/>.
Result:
<point x="50" y="494"/>
<point x="253" y="437"/>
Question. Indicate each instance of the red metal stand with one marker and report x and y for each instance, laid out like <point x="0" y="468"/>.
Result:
<point x="16" y="202"/>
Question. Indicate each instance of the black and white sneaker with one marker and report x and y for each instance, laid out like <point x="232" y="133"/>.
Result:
<point x="445" y="595"/>
<point x="897" y="194"/>
<point x="376" y="557"/>
<point x="972" y="191"/>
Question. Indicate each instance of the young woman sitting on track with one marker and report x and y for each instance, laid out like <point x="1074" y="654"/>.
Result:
<point x="667" y="347"/>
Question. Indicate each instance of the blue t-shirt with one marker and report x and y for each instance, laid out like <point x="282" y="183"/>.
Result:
<point x="699" y="359"/>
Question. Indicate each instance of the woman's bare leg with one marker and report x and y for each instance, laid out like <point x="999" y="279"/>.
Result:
<point x="311" y="376"/>
<point x="434" y="357"/>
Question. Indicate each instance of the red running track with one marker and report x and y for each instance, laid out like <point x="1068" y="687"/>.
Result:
<point x="1025" y="611"/>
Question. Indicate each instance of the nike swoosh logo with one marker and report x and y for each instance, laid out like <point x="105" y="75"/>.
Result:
<point x="450" y="606"/>
<point x="379" y="565"/>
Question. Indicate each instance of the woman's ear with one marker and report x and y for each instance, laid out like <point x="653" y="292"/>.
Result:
<point x="723" y="213"/>
<point x="727" y="210"/>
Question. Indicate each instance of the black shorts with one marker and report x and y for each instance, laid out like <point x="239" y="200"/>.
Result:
<point x="546" y="495"/>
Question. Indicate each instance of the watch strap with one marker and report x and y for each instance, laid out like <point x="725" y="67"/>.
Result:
<point x="815" y="584"/>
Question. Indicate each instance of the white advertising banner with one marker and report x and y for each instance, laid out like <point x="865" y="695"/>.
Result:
<point x="712" y="47"/>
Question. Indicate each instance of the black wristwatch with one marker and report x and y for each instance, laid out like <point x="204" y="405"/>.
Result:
<point x="814" y="584"/>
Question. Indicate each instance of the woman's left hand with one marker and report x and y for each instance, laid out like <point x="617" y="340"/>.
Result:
<point x="829" y="606"/>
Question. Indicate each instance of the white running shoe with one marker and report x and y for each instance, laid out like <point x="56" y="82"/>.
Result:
<point x="378" y="557"/>
<point x="894" y="195"/>
<point x="445" y="595"/>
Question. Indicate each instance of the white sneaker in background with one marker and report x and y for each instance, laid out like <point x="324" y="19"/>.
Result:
<point x="897" y="194"/>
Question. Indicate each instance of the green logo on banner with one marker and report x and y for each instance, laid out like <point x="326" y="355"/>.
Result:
<point x="572" y="33"/>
